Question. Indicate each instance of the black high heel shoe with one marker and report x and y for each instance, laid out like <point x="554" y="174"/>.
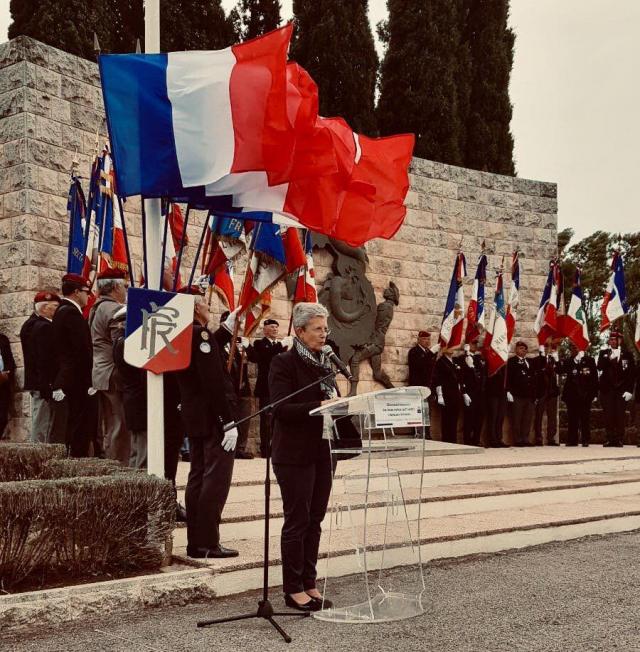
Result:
<point x="307" y="607"/>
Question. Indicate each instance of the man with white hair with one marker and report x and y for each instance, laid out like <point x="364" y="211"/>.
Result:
<point x="112" y="295"/>
<point x="36" y="338"/>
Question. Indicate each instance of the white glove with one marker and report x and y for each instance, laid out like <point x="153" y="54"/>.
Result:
<point x="440" y="396"/>
<point x="57" y="395"/>
<point x="627" y="396"/>
<point x="287" y="341"/>
<point x="92" y="391"/>
<point x="230" y="322"/>
<point x="467" y="348"/>
<point x="230" y="440"/>
<point x="541" y="349"/>
<point x="510" y="397"/>
<point x="245" y="342"/>
<point x="435" y="348"/>
<point x="467" y="400"/>
<point x="555" y="356"/>
<point x="579" y="356"/>
<point x="469" y="361"/>
<point x="615" y="354"/>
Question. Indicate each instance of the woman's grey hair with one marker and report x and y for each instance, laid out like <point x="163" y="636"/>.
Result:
<point x="304" y="312"/>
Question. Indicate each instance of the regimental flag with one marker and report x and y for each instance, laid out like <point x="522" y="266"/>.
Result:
<point x="614" y="304"/>
<point x="266" y="267"/>
<point x="293" y="252"/>
<point x="306" y="281"/>
<point x="453" y="320"/>
<point x="94" y="220"/>
<point x="175" y="223"/>
<point x="574" y="324"/>
<point x="227" y="242"/>
<point x="496" y="341"/>
<point x="77" y="215"/>
<point x="159" y="109"/>
<point x="222" y="283"/>
<point x="546" y="323"/>
<point x="475" y="311"/>
<point x="112" y="251"/>
<point x="514" y="297"/>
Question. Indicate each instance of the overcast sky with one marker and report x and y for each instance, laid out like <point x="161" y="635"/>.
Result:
<point x="575" y="91"/>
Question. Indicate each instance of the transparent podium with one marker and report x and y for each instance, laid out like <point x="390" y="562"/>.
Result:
<point x="375" y="512"/>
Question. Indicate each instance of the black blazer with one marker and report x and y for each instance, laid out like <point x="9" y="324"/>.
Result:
<point x="203" y="398"/>
<point x="581" y="385"/>
<point x="521" y="377"/>
<point x="474" y="378"/>
<point x="546" y="376"/>
<point x="617" y="375"/>
<point x="448" y="375"/>
<point x="421" y="363"/>
<point x="31" y="381"/>
<point x="297" y="437"/>
<point x="46" y="362"/>
<point x="262" y="353"/>
<point x="74" y="350"/>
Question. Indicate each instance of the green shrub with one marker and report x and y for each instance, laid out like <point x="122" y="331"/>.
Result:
<point x="22" y="461"/>
<point x="83" y="527"/>
<point x="72" y="467"/>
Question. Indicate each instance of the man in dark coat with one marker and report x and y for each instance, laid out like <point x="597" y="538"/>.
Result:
<point x="617" y="378"/>
<point x="262" y="352"/>
<point x="474" y="376"/>
<point x="7" y="373"/>
<point x="421" y="361"/>
<point x="547" y="392"/>
<point x="521" y="394"/>
<point x="579" y="392"/>
<point x="205" y="409"/>
<point x="40" y="364"/>
<point x="496" y="409"/>
<point x="72" y="383"/>
<point x="451" y="394"/>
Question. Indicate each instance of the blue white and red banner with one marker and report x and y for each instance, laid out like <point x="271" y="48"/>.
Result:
<point x="475" y="311"/>
<point x="546" y="322"/>
<point x="496" y="341"/>
<point x="158" y="330"/>
<point x="574" y="324"/>
<point x="306" y="282"/>
<point x="614" y="303"/>
<point x="453" y="320"/>
<point x="514" y="296"/>
<point x="77" y="215"/>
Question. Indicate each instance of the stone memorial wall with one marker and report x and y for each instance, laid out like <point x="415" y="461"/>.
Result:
<point x="51" y="111"/>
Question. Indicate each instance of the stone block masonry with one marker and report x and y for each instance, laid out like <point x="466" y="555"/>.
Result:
<point x="51" y="111"/>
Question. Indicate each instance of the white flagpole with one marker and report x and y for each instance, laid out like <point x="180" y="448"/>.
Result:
<point x="154" y="234"/>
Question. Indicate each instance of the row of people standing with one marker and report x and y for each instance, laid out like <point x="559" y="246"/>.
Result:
<point x="527" y="390"/>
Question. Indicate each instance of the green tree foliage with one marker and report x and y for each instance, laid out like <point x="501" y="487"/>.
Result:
<point x="70" y="25"/>
<point x="419" y="87"/>
<point x="333" y="41"/>
<point x="255" y="17"/>
<point x="488" y="142"/>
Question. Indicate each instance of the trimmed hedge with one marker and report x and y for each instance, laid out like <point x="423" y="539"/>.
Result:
<point x="22" y="461"/>
<point x="83" y="527"/>
<point x="72" y="467"/>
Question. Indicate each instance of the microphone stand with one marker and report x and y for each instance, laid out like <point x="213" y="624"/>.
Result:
<point x="265" y="608"/>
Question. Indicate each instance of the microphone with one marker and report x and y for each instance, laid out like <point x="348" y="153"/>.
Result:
<point x="335" y="360"/>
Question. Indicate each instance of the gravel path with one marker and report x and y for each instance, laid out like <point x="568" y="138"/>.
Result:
<point x="562" y="597"/>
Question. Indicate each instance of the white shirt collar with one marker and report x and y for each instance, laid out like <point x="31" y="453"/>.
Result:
<point x="74" y="303"/>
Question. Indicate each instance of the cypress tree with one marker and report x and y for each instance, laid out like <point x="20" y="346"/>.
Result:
<point x="420" y="88"/>
<point x="333" y="41"/>
<point x="489" y="143"/>
<point x="256" y="17"/>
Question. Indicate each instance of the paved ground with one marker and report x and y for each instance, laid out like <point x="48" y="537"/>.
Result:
<point x="562" y="597"/>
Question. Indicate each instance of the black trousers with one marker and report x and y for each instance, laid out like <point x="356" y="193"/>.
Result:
<point x="79" y="420"/>
<point x="474" y="420"/>
<point x="496" y="409"/>
<point x="207" y="490"/>
<point x="613" y="406"/>
<point x="305" y="491"/>
<point x="265" y="426"/>
<point x="173" y="438"/>
<point x="546" y="405"/>
<point x="449" y="415"/>
<point x="522" y="411"/>
<point x="579" y="422"/>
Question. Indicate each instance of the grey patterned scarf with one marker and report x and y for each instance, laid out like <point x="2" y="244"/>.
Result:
<point x="319" y="362"/>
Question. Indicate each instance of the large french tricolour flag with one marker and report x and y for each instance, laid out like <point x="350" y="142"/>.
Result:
<point x="614" y="304"/>
<point x="574" y="324"/>
<point x="475" y="311"/>
<point x="187" y="119"/>
<point x="453" y="318"/>
<point x="546" y="323"/>
<point x="514" y="297"/>
<point x="496" y="342"/>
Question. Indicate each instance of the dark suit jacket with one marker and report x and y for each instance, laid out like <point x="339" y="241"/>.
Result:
<point x="9" y="365"/>
<point x="262" y="353"/>
<point x="474" y="378"/>
<point x="521" y="377"/>
<point x="421" y="363"/>
<point x="31" y="381"/>
<point x="449" y="376"/>
<point x="74" y="350"/>
<point x="617" y="375"/>
<point x="546" y="376"/>
<point x="46" y="362"/>
<point x="581" y="385"/>
<point x="297" y="437"/>
<point x="203" y="397"/>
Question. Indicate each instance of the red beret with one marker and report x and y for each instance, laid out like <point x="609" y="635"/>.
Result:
<point x="424" y="334"/>
<point x="112" y="273"/>
<point x="191" y="289"/>
<point x="617" y="334"/>
<point x="76" y="279"/>
<point x="521" y="343"/>
<point x="46" y="296"/>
